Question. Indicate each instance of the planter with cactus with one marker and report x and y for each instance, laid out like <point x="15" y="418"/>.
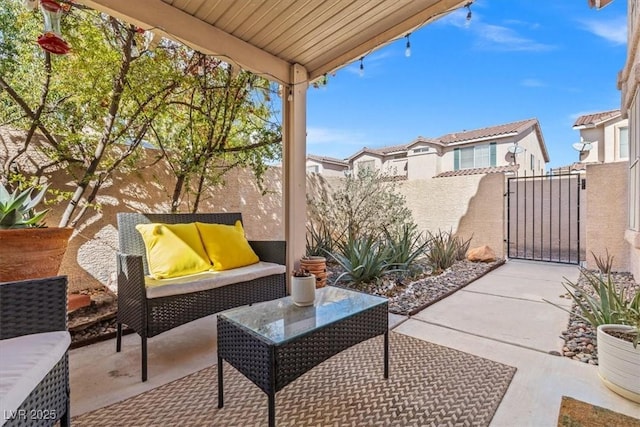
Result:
<point x="619" y="360"/>
<point x="28" y="250"/>
<point x="615" y="312"/>
<point x="303" y="288"/>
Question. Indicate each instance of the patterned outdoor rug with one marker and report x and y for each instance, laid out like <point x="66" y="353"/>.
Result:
<point x="576" y="413"/>
<point x="428" y="385"/>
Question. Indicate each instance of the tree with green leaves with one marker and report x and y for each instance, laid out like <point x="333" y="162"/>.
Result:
<point x="97" y="105"/>
<point x="221" y="121"/>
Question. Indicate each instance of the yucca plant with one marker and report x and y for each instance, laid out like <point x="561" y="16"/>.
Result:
<point x="608" y="306"/>
<point x="363" y="260"/>
<point x="319" y="239"/>
<point x="405" y="245"/>
<point x="17" y="209"/>
<point x="604" y="262"/>
<point x="462" y="247"/>
<point x="443" y="251"/>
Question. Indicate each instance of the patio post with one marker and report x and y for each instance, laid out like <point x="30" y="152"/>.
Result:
<point x="294" y="175"/>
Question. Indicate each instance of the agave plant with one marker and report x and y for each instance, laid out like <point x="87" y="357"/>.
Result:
<point x="364" y="259"/>
<point x="17" y="209"/>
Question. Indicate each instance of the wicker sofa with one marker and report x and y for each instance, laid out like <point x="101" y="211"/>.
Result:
<point x="149" y="312"/>
<point x="34" y="342"/>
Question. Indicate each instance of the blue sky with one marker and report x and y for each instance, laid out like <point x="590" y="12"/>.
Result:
<point x="515" y="60"/>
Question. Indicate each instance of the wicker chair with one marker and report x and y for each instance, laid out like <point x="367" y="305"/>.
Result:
<point x="151" y="316"/>
<point x="34" y="307"/>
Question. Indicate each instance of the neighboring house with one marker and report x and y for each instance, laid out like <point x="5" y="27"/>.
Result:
<point x="479" y="151"/>
<point x="327" y="166"/>
<point x="629" y="83"/>
<point x="605" y="135"/>
<point x="391" y="161"/>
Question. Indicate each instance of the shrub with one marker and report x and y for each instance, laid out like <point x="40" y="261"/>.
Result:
<point x="405" y="245"/>
<point x="320" y="241"/>
<point x="443" y="251"/>
<point x="364" y="259"/>
<point x="361" y="205"/>
<point x="604" y="263"/>
<point x="463" y="247"/>
<point x="608" y="305"/>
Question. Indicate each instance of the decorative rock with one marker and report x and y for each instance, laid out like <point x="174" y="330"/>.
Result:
<point x="481" y="254"/>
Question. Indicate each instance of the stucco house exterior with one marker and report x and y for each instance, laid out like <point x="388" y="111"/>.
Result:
<point x="605" y="135"/>
<point x="327" y="166"/>
<point x="478" y="151"/>
<point x="628" y="83"/>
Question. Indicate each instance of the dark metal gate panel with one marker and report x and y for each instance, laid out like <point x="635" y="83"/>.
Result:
<point x="543" y="218"/>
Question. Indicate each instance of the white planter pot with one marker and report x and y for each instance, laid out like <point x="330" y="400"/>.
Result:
<point x="303" y="290"/>
<point x="619" y="362"/>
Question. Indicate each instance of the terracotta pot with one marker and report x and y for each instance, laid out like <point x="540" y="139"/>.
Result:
<point x="619" y="362"/>
<point x="316" y="265"/>
<point x="31" y="253"/>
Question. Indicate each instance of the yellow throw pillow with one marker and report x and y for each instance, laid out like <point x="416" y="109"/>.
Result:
<point x="173" y="250"/>
<point x="226" y="245"/>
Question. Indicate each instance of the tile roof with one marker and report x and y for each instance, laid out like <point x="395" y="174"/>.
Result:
<point x="479" y="171"/>
<point x="497" y="131"/>
<point x="327" y="159"/>
<point x="389" y="149"/>
<point x="596" y="118"/>
<point x="488" y="132"/>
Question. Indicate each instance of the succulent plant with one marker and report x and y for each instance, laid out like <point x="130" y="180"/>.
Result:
<point x="17" y="209"/>
<point x="301" y="273"/>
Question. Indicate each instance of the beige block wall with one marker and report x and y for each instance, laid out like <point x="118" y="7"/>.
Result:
<point x="91" y="256"/>
<point x="467" y="205"/>
<point x="633" y="237"/>
<point x="606" y="217"/>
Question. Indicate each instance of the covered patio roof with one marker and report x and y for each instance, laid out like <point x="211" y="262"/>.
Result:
<point x="291" y="42"/>
<point x="268" y="36"/>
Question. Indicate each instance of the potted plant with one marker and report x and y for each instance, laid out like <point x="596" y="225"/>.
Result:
<point x="616" y="316"/>
<point x="28" y="249"/>
<point x="618" y="351"/>
<point x="316" y="265"/>
<point x="303" y="288"/>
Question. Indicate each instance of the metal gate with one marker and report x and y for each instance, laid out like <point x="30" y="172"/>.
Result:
<point x="543" y="218"/>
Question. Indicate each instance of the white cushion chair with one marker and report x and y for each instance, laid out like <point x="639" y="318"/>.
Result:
<point x="34" y="340"/>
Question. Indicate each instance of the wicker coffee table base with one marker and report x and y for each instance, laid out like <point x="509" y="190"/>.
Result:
<point x="271" y="367"/>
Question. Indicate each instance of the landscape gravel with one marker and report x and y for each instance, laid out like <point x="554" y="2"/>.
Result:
<point x="408" y="295"/>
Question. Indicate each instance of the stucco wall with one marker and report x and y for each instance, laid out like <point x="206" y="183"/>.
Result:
<point x="90" y="258"/>
<point x="423" y="165"/>
<point x="606" y="219"/>
<point x="467" y="205"/>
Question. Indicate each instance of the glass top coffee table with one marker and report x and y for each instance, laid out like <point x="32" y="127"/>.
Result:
<point x="272" y="343"/>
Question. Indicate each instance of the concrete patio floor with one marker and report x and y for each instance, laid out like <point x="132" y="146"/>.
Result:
<point x="500" y="317"/>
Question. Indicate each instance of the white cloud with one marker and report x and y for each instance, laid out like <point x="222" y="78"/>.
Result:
<point x="371" y="62"/>
<point x="496" y="37"/>
<point x="533" y="83"/>
<point x="613" y="30"/>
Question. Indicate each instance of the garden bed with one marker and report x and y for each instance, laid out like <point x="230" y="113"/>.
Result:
<point x="580" y="336"/>
<point x="409" y="295"/>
